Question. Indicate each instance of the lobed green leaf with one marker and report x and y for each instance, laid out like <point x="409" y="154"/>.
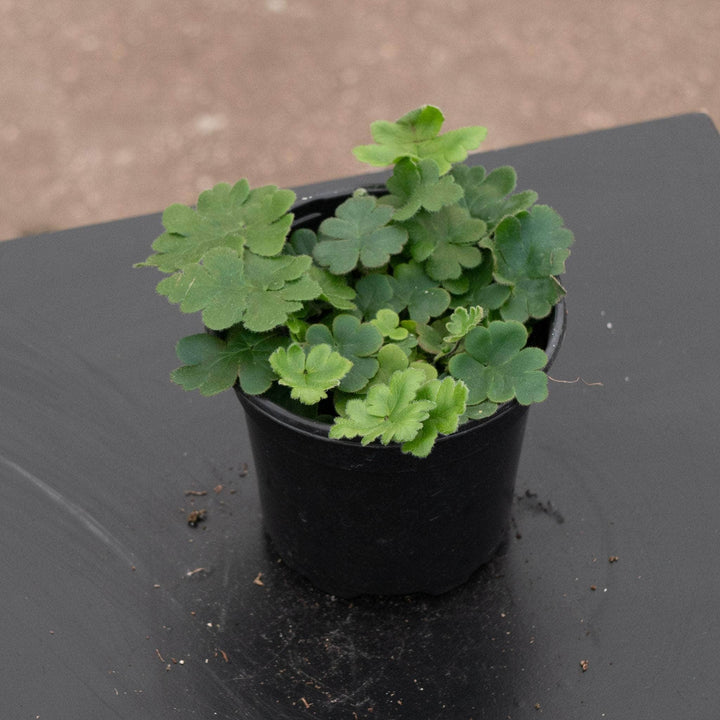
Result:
<point x="355" y="341"/>
<point x="489" y="197"/>
<point x="449" y="399"/>
<point x="414" y="290"/>
<point x="388" y="323"/>
<point x="390" y="412"/>
<point x="358" y="233"/>
<point x="417" y="184"/>
<point x="446" y="241"/>
<point x="529" y="251"/>
<point x="213" y="364"/>
<point x="260" y="292"/>
<point x="461" y="322"/>
<point x="227" y="216"/>
<point x="309" y="375"/>
<point x="416" y="136"/>
<point x="496" y="365"/>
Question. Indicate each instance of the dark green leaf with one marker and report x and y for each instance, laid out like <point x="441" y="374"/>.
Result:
<point x="358" y="233"/>
<point x="213" y="364"/>
<point x="488" y="196"/>
<point x="529" y="250"/>
<point x="497" y="367"/>
<point x="414" y="290"/>
<point x="417" y="184"/>
<point x="446" y="241"/>
<point x="355" y="341"/>
<point x="481" y="288"/>
<point x="374" y="292"/>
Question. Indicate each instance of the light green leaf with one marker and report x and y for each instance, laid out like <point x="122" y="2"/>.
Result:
<point x="497" y="367"/>
<point x="449" y="397"/>
<point x="355" y="341"/>
<point x="229" y="217"/>
<point x="417" y="184"/>
<point x="358" y="233"/>
<point x="309" y="375"/>
<point x="388" y="323"/>
<point x="461" y="322"/>
<point x="391" y="358"/>
<point x="416" y="135"/>
<point x="390" y="412"/>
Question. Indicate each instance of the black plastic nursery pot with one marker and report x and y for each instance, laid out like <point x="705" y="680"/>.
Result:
<point x="357" y="519"/>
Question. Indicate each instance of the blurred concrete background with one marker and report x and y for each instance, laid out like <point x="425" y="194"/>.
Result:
<point x="109" y="110"/>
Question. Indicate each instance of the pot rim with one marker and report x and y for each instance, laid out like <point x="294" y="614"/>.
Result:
<point x="315" y="428"/>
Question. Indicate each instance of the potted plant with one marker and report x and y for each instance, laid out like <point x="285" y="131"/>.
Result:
<point x="385" y="346"/>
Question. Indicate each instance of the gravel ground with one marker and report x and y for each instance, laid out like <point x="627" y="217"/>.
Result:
<point x="109" y="110"/>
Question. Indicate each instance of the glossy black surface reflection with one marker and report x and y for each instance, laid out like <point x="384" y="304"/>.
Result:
<point x="115" y="607"/>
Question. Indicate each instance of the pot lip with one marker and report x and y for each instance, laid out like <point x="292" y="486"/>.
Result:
<point x="279" y="414"/>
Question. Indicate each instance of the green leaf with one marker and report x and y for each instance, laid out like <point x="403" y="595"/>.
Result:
<point x="229" y="217"/>
<point x="335" y="288"/>
<point x="358" y="233"/>
<point x="388" y="323"/>
<point x="430" y="337"/>
<point x="488" y="196"/>
<point x="301" y="242"/>
<point x="251" y="352"/>
<point x="257" y="291"/>
<point x="417" y="184"/>
<point x="213" y="364"/>
<point x="390" y="411"/>
<point x="449" y="397"/>
<point x="414" y="290"/>
<point x="416" y="136"/>
<point x="461" y="322"/>
<point x="391" y="358"/>
<point x="355" y="341"/>
<point x="532" y="298"/>
<point x="481" y="288"/>
<point x="534" y="244"/>
<point x="309" y="375"/>
<point x="479" y="411"/>
<point x="374" y="292"/>
<point x="497" y="367"/>
<point x="207" y="365"/>
<point x="446" y="241"/>
<point x="530" y="250"/>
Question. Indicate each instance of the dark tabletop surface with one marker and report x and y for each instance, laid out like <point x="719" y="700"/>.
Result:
<point x="114" y="607"/>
